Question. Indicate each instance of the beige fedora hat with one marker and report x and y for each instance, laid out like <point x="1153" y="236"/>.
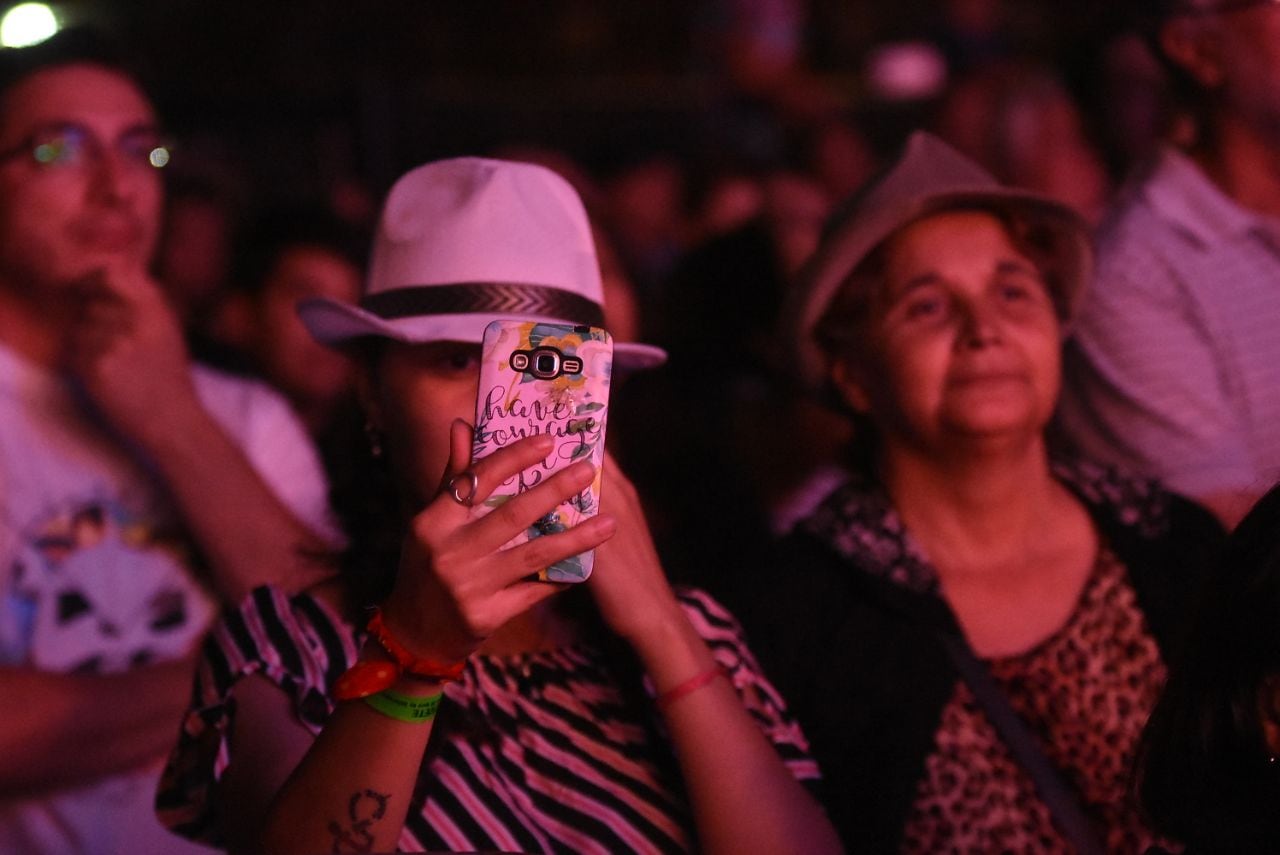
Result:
<point x="928" y="177"/>
<point x="470" y="240"/>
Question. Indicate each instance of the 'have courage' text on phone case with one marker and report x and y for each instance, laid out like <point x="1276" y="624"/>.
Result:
<point x="541" y="378"/>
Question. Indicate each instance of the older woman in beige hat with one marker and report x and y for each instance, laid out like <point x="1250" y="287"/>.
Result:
<point x="478" y="709"/>
<point x="971" y="634"/>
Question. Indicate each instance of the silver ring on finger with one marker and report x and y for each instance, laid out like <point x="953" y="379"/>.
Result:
<point x="463" y="486"/>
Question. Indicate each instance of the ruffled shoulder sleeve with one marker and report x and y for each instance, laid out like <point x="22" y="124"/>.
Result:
<point x="299" y="644"/>
<point x="727" y="641"/>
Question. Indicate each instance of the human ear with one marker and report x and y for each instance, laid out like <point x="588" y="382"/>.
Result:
<point x="1195" y="48"/>
<point x="850" y="384"/>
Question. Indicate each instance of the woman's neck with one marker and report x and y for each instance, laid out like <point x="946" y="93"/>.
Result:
<point x="976" y="511"/>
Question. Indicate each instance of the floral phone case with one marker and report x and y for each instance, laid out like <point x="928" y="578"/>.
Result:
<point x="553" y="379"/>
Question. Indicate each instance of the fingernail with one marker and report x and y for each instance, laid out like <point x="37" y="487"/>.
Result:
<point x="604" y="524"/>
<point x="543" y="441"/>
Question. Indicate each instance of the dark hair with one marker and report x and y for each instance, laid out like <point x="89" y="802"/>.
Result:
<point x="72" y="46"/>
<point x="272" y="232"/>
<point x="840" y="332"/>
<point x="365" y="498"/>
<point x="1204" y="774"/>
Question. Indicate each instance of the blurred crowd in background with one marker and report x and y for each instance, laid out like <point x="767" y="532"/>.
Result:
<point x="680" y="121"/>
<point x="710" y="141"/>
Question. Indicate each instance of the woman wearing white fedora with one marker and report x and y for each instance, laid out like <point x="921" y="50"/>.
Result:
<point x="616" y="716"/>
<point x="971" y="635"/>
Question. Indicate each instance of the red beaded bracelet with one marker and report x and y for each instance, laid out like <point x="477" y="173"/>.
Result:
<point x="368" y="678"/>
<point x="697" y="681"/>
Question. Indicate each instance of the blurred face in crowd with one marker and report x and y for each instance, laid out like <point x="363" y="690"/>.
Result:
<point x="313" y="375"/>
<point x="961" y="339"/>
<point x="1232" y="47"/>
<point x="78" y="192"/>
<point x="412" y="394"/>
<point x="795" y="208"/>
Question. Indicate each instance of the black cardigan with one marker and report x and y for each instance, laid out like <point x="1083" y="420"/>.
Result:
<point x="858" y="659"/>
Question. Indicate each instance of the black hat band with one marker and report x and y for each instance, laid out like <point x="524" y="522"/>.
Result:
<point x="497" y="298"/>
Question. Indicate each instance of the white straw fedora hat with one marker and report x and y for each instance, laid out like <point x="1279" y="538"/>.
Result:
<point x="928" y="177"/>
<point x="466" y="241"/>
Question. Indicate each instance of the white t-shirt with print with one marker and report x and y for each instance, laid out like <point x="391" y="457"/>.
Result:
<point x="96" y="575"/>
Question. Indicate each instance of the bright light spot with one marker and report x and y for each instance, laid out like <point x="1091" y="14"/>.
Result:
<point x="906" y="71"/>
<point x="159" y="156"/>
<point x="27" y="24"/>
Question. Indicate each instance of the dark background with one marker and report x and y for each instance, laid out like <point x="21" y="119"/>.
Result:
<point x="300" y="91"/>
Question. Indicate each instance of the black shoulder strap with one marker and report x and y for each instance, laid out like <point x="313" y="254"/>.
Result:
<point x="1062" y="801"/>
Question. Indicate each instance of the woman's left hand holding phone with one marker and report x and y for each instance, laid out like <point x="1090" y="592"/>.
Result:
<point x="456" y="584"/>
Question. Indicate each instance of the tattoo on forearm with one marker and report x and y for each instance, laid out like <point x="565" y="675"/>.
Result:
<point x="365" y="808"/>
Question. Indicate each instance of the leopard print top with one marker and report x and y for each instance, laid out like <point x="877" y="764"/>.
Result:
<point x="1086" y="691"/>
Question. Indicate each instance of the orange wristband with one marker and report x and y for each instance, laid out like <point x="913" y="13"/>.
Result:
<point x="697" y="681"/>
<point x="369" y="678"/>
<point x="410" y="664"/>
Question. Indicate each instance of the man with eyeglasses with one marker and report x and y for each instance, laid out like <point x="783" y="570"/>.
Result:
<point x="1175" y="367"/>
<point x="136" y="491"/>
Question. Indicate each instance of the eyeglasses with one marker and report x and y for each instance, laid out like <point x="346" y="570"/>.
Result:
<point x="71" y="146"/>
<point x="1222" y="8"/>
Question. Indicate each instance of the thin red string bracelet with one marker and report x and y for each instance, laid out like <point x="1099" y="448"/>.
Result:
<point x="693" y="684"/>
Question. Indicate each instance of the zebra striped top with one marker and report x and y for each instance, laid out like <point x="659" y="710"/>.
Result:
<point x="551" y="751"/>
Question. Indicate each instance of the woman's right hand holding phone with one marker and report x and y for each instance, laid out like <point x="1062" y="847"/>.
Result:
<point x="456" y="584"/>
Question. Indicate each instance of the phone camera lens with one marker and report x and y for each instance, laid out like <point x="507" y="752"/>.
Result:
<point x="545" y="364"/>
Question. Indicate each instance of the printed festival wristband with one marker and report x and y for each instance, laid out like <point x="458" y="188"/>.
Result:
<point x="405" y="707"/>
